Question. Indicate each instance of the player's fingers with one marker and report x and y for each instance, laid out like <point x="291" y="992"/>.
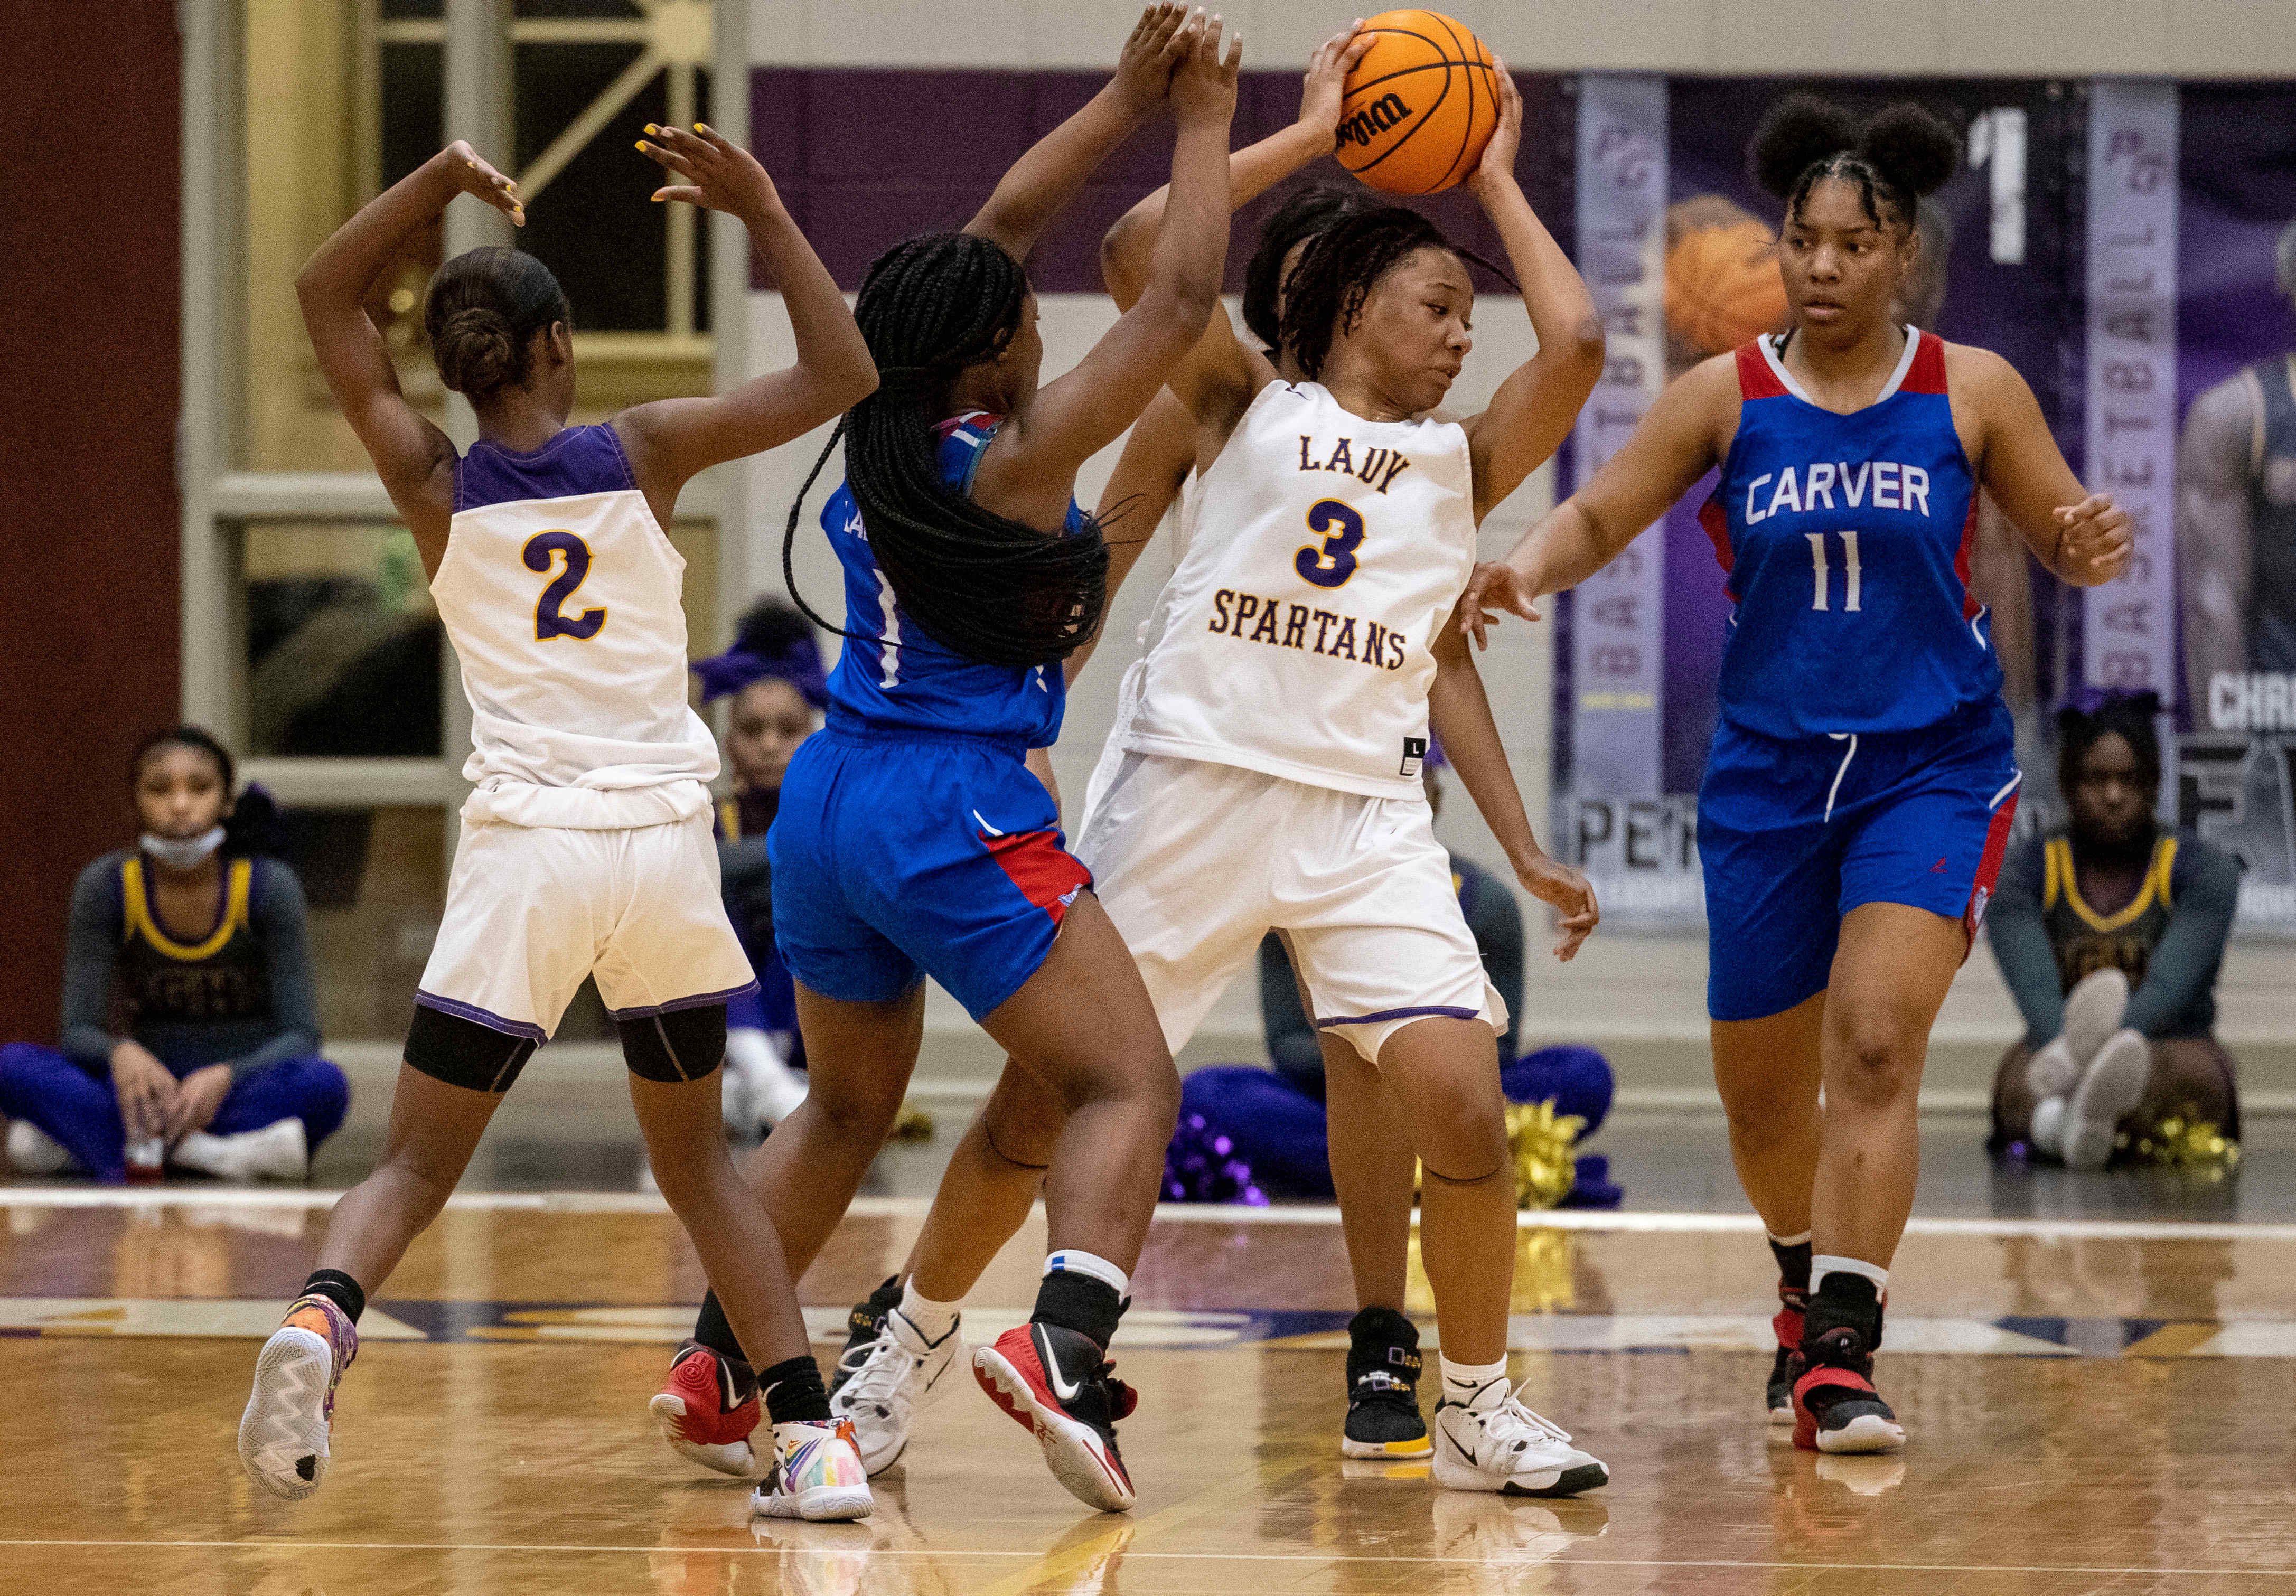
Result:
<point x="684" y="194"/>
<point x="670" y="158"/>
<point x="1357" y="48"/>
<point x="1234" y="54"/>
<point x="716" y="140"/>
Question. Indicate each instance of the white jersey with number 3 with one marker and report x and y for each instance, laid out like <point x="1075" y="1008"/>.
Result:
<point x="1321" y="552"/>
<point x="562" y="595"/>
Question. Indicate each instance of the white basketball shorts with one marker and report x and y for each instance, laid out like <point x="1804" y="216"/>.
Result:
<point x="532" y="910"/>
<point x="1195" y="862"/>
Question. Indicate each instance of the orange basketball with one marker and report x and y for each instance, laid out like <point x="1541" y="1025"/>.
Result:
<point x="1723" y="287"/>
<point x="1420" y="105"/>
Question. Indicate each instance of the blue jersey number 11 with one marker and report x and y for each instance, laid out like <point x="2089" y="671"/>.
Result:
<point x="1817" y="573"/>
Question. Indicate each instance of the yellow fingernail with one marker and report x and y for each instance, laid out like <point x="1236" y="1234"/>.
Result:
<point x="651" y="128"/>
<point x="641" y="143"/>
<point x="700" y="127"/>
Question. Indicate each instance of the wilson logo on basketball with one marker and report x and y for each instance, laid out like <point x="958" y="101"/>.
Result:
<point x="1387" y="111"/>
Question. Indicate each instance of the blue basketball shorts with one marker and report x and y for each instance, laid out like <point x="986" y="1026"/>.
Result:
<point x="897" y="855"/>
<point x="1794" y="833"/>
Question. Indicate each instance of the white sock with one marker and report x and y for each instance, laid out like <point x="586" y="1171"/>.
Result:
<point x="1826" y="1263"/>
<point x="1474" y="1385"/>
<point x="1071" y="1260"/>
<point x="932" y="1320"/>
<point x="1788" y="1240"/>
<point x="2047" y="1131"/>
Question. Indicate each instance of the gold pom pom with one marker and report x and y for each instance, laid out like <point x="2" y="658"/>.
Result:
<point x="2176" y="1142"/>
<point x="1541" y="1141"/>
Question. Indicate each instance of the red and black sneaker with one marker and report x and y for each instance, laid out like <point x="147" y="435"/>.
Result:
<point x="706" y="1410"/>
<point x="1835" y="1406"/>
<point x="1778" y="1394"/>
<point x="1058" y="1383"/>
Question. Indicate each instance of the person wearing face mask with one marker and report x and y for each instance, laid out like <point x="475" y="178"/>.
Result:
<point x="200" y="945"/>
<point x="2110" y="933"/>
<point x="774" y="675"/>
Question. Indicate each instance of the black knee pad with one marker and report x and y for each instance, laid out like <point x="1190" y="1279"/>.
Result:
<point x="683" y="1044"/>
<point x="463" y="1052"/>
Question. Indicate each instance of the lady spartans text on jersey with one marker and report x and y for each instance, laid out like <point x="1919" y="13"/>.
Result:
<point x="1327" y="561"/>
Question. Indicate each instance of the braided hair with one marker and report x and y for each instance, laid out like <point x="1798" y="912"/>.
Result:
<point x="1305" y="212"/>
<point x="987" y="586"/>
<point x="1323" y="296"/>
<point x="1895" y="158"/>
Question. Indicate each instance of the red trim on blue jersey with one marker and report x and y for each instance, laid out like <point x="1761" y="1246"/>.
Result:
<point x="1756" y="380"/>
<point x="1970" y="607"/>
<point x="1716" y="519"/>
<point x="1926" y="376"/>
<point x="1988" y="868"/>
<point x="1047" y="873"/>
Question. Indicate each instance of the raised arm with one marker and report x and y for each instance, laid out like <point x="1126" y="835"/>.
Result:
<point x="1148" y="477"/>
<point x="1043" y="181"/>
<point x="2083" y="538"/>
<point x="1534" y="409"/>
<point x="413" y="457"/>
<point x="671" y="439"/>
<point x="1678" y="440"/>
<point x="1251" y="171"/>
<point x="1067" y="421"/>
<point x="1460" y="713"/>
<point x="2215" y="461"/>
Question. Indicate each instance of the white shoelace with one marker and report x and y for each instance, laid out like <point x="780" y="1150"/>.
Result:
<point x="1545" y="1429"/>
<point x="888" y="1363"/>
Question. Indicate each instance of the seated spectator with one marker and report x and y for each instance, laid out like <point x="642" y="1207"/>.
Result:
<point x="2110" y="934"/>
<point x="189" y="1029"/>
<point x="774" y="675"/>
<point x="1274" y="1123"/>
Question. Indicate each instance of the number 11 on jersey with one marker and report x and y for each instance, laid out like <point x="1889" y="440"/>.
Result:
<point x="1817" y="568"/>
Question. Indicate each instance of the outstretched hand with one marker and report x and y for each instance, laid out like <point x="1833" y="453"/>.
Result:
<point x="2094" y="541"/>
<point x="1203" y="85"/>
<point x="473" y="175"/>
<point x="1159" y="41"/>
<point x="719" y="174"/>
<point x="1493" y="586"/>
<point x="1325" y="87"/>
<point x="1570" y="895"/>
<point x="1498" y="156"/>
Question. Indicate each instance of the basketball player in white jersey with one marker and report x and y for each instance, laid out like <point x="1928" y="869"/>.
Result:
<point x="1270" y="742"/>
<point x="586" y="848"/>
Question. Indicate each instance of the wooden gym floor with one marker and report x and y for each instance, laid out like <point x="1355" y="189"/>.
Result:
<point x="2094" y="1407"/>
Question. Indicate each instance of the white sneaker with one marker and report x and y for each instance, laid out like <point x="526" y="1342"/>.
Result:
<point x="279" y="1151"/>
<point x="817" y="1476"/>
<point x="1509" y="1449"/>
<point x="2109" y="1091"/>
<point x="33" y="1151"/>
<point x="2093" y="1011"/>
<point x="761" y="1090"/>
<point x="900" y="1373"/>
<point x="284" y="1435"/>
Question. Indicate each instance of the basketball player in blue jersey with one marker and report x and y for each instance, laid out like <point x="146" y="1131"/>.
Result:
<point x="585" y="846"/>
<point x="912" y="838"/>
<point x="1860" y="791"/>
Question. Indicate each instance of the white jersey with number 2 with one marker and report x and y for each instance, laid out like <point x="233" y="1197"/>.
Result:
<point x="1322" y="551"/>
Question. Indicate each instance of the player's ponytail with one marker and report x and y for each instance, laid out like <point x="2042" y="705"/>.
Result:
<point x="1895" y="158"/>
<point x="989" y="587"/>
<point x="481" y="314"/>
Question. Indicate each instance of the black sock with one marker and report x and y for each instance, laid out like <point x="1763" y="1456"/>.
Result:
<point x="339" y="1289"/>
<point x="715" y="1331"/>
<point x="1844" y="1299"/>
<point x="1793" y="1266"/>
<point x="795" y="1394"/>
<point x="1080" y="1302"/>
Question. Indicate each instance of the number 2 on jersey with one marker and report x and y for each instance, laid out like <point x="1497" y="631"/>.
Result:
<point x="1335" y="562"/>
<point x="550" y="618"/>
<point x="1817" y="576"/>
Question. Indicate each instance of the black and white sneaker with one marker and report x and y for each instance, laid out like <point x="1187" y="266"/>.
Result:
<point x="1384" y="1364"/>
<point x="863" y="1326"/>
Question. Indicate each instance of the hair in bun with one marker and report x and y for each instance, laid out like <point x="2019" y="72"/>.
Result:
<point x="484" y="308"/>
<point x="1895" y="158"/>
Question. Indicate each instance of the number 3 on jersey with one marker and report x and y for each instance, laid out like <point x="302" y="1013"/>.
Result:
<point x="550" y="618"/>
<point x="1334" y="561"/>
<point x="1852" y="576"/>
